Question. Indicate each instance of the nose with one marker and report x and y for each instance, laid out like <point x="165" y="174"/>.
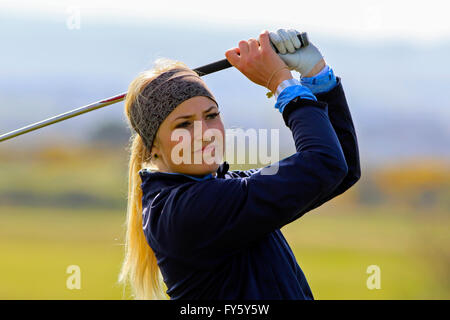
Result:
<point x="204" y="126"/>
<point x="199" y="134"/>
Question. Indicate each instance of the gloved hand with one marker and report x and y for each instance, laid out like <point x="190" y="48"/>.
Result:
<point x="299" y="59"/>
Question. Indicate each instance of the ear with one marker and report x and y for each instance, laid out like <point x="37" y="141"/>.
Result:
<point x="155" y="150"/>
<point x="155" y="147"/>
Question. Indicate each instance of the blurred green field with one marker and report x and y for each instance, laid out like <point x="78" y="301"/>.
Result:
<point x="334" y="244"/>
<point x="333" y="248"/>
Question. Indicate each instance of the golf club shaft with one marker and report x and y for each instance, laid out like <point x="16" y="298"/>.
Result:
<point x="201" y="71"/>
<point x="207" y="69"/>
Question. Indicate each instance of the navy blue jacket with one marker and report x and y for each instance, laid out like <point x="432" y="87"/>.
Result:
<point x="219" y="237"/>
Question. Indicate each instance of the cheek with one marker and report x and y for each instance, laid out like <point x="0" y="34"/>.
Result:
<point x="184" y="139"/>
<point x="221" y="128"/>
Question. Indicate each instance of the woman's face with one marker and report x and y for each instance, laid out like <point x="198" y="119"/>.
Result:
<point x="191" y="126"/>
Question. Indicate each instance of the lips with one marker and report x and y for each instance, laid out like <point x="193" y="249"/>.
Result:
<point x="208" y="147"/>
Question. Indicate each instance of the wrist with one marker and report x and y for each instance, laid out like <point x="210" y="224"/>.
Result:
<point x="275" y="82"/>
<point x="316" y="69"/>
<point x="284" y="84"/>
<point x="322" y="82"/>
<point x="290" y="89"/>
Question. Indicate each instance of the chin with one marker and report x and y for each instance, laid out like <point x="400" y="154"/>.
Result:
<point x="200" y="169"/>
<point x="206" y="168"/>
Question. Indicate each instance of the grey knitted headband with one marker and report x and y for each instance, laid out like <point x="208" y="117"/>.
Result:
<point x="160" y="97"/>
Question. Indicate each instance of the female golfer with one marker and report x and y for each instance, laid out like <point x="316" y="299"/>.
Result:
<point x="198" y="231"/>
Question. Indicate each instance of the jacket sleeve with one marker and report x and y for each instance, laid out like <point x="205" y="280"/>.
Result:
<point x="341" y="120"/>
<point x="222" y="216"/>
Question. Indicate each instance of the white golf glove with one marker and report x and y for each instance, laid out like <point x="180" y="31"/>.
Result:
<point x="296" y="58"/>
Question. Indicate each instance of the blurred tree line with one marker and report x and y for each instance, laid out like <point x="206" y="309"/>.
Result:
<point x="418" y="183"/>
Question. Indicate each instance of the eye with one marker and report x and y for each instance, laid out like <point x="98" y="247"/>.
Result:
<point x="213" y="115"/>
<point x="188" y="123"/>
<point x="183" y="124"/>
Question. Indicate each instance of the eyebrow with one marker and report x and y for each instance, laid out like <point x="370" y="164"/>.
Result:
<point x="191" y="115"/>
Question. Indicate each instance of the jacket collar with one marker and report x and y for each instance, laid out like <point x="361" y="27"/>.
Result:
<point x="154" y="180"/>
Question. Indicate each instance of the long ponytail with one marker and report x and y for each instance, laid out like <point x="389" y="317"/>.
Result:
<point x="140" y="268"/>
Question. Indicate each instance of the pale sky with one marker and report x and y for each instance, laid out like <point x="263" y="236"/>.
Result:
<point x="421" y="21"/>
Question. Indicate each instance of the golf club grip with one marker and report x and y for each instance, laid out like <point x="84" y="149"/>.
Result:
<point x="223" y="64"/>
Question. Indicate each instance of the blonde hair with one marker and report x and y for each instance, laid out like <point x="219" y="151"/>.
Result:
<point x="140" y="268"/>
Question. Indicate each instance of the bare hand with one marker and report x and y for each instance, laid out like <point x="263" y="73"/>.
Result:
<point x="258" y="61"/>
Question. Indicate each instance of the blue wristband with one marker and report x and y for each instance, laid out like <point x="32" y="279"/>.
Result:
<point x="293" y="89"/>
<point x="324" y="81"/>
